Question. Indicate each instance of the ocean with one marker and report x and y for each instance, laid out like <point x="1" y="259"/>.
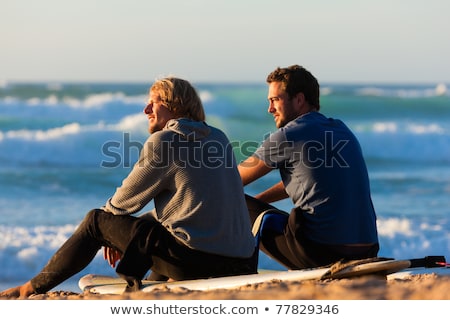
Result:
<point x="65" y="147"/>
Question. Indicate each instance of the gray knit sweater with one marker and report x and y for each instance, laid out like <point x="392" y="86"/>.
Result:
<point x="190" y="172"/>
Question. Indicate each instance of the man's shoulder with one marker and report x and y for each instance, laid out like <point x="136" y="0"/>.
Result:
<point x="313" y="119"/>
<point x="216" y="131"/>
<point x="309" y="118"/>
<point x="161" y="135"/>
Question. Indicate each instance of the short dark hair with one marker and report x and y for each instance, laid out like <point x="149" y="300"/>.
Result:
<point x="296" y="79"/>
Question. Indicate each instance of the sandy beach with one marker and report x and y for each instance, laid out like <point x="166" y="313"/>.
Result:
<point x="415" y="287"/>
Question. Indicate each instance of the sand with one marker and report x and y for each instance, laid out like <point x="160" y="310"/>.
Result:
<point x="415" y="287"/>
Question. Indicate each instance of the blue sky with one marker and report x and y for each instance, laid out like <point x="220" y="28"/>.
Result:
<point x="224" y="40"/>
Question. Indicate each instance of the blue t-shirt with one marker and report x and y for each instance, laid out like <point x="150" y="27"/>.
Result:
<point x="324" y="173"/>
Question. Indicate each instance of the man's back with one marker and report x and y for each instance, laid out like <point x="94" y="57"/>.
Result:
<point x="322" y="168"/>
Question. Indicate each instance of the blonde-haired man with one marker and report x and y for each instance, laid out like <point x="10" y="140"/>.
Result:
<point x="200" y="226"/>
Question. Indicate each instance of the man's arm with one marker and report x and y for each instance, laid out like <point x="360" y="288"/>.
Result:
<point x="254" y="168"/>
<point x="275" y="193"/>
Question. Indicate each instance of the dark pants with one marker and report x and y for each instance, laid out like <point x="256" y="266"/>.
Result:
<point x="286" y="244"/>
<point x="144" y="243"/>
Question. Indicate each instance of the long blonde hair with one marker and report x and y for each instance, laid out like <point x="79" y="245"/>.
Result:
<point x="180" y="97"/>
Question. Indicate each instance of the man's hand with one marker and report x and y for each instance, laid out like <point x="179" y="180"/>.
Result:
<point x="111" y="255"/>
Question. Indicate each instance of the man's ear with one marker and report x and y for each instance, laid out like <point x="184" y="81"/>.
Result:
<point x="299" y="100"/>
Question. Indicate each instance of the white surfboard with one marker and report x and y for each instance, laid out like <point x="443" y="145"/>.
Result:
<point x="112" y="285"/>
<point x="402" y="274"/>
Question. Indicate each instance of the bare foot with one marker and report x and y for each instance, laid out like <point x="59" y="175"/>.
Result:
<point x="10" y="293"/>
<point x="23" y="291"/>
